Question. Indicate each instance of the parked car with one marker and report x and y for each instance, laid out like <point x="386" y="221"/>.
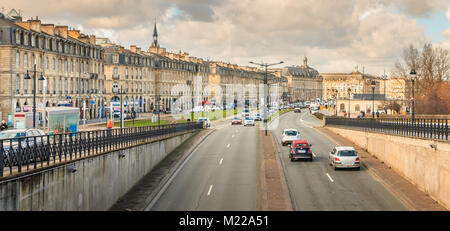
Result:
<point x="344" y="157"/>
<point x="297" y="110"/>
<point x="314" y="110"/>
<point x="206" y="120"/>
<point x="289" y="135"/>
<point x="300" y="149"/>
<point x="28" y="139"/>
<point x="249" y="121"/>
<point x="236" y="120"/>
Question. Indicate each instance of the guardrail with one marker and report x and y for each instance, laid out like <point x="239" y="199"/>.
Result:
<point x="41" y="151"/>
<point x="424" y="128"/>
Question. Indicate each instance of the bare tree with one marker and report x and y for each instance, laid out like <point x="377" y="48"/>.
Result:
<point x="431" y="64"/>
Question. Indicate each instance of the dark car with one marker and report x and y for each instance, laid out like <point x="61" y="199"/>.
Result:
<point x="300" y="149"/>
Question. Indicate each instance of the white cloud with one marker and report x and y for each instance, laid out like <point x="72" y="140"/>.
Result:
<point x="448" y="13"/>
<point x="335" y="35"/>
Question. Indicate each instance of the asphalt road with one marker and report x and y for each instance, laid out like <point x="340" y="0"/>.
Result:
<point x="220" y="175"/>
<point x="317" y="186"/>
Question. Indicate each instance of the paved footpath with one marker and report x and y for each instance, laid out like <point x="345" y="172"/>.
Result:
<point x="410" y="195"/>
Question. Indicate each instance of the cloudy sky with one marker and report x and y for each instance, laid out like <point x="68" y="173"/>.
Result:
<point x="335" y="35"/>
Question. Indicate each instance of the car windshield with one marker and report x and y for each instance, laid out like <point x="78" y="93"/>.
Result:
<point x="301" y="145"/>
<point x="248" y="118"/>
<point x="347" y="153"/>
<point x="291" y="133"/>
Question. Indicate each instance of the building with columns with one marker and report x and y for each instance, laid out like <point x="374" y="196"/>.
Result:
<point x="304" y="83"/>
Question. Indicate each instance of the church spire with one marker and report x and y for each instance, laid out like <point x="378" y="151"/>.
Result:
<point x="155" y="37"/>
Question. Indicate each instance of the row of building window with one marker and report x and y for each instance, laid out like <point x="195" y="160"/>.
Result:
<point x="57" y="45"/>
<point x="70" y="86"/>
<point x="69" y="66"/>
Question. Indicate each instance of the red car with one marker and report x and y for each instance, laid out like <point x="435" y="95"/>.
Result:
<point x="236" y="120"/>
<point x="300" y="149"/>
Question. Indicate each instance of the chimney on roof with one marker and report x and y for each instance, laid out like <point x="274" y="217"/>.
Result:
<point x="62" y="31"/>
<point x="133" y="48"/>
<point x="92" y="39"/>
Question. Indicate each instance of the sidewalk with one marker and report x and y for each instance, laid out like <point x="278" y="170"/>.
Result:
<point x="409" y="194"/>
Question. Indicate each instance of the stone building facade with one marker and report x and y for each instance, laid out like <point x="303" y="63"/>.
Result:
<point x="71" y="63"/>
<point x="304" y="82"/>
<point x="357" y="82"/>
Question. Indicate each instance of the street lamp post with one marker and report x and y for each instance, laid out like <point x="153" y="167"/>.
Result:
<point x="121" y="107"/>
<point x="335" y="101"/>
<point x="349" y="92"/>
<point x="189" y="83"/>
<point x="413" y="75"/>
<point x="373" y="84"/>
<point x="27" y="76"/>
<point x="266" y="96"/>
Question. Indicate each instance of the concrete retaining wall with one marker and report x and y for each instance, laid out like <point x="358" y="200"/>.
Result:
<point x="414" y="158"/>
<point x="96" y="185"/>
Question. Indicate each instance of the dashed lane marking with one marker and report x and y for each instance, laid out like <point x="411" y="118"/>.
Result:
<point x="210" y="188"/>
<point x="329" y="177"/>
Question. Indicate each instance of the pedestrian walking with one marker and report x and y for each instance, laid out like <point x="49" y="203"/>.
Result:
<point x="109" y="127"/>
<point x="4" y="126"/>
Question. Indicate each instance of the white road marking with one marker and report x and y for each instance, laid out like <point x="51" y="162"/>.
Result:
<point x="228" y="146"/>
<point x="314" y="154"/>
<point x="220" y="162"/>
<point x="209" y="191"/>
<point x="232" y="136"/>
<point x="331" y="179"/>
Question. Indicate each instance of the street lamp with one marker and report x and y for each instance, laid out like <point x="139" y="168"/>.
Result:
<point x="413" y="75"/>
<point x="265" y="65"/>
<point x="189" y="83"/>
<point x="121" y="107"/>
<point x="335" y="101"/>
<point x="349" y="92"/>
<point x="373" y="84"/>
<point x="27" y="76"/>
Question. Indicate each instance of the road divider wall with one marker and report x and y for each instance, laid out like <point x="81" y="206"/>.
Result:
<point x="94" y="183"/>
<point x="424" y="162"/>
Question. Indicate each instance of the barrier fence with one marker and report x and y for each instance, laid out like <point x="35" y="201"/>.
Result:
<point x="25" y="153"/>
<point x="424" y="128"/>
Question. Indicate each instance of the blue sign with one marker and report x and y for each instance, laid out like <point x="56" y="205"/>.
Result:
<point x="92" y="102"/>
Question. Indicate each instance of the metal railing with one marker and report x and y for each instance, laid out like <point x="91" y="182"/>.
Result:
<point x="22" y="154"/>
<point x="424" y="128"/>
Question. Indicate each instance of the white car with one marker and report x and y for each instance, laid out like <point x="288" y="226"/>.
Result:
<point x="344" y="157"/>
<point x="245" y="113"/>
<point x="314" y="110"/>
<point x="289" y="135"/>
<point x="249" y="121"/>
<point x="206" y="120"/>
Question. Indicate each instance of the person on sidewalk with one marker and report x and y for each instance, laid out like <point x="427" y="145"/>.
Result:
<point x="109" y="127"/>
<point x="3" y="126"/>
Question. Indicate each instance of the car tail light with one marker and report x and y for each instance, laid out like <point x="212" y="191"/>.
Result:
<point x="293" y="151"/>
<point x="309" y="150"/>
<point x="357" y="159"/>
<point x="337" y="159"/>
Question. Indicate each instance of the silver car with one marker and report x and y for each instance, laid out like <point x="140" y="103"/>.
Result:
<point x="344" y="157"/>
